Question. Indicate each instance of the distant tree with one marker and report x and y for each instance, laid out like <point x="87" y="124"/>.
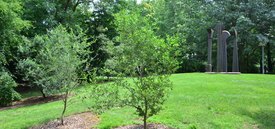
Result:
<point x="101" y="31"/>
<point x="32" y="72"/>
<point x="11" y="25"/>
<point x="187" y="20"/>
<point x="46" y="15"/>
<point x="92" y="15"/>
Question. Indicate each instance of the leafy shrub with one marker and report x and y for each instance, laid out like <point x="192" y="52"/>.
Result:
<point x="7" y="93"/>
<point x="143" y="63"/>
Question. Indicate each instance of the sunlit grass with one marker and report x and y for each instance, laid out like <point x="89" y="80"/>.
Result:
<point x="197" y="100"/>
<point x="212" y="101"/>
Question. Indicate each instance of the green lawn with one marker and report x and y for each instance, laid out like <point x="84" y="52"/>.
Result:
<point x="197" y="100"/>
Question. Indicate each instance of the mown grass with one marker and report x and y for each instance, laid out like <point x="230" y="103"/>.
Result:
<point x="197" y="100"/>
<point x="213" y="101"/>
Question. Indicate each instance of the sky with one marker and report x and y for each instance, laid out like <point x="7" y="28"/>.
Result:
<point x="139" y="1"/>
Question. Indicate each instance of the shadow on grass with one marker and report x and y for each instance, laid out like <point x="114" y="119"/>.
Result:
<point x="33" y="101"/>
<point x="265" y="118"/>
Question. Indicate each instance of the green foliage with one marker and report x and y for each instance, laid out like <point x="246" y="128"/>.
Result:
<point x="7" y="92"/>
<point x="46" y="15"/>
<point x="146" y="94"/>
<point x="55" y="65"/>
<point x="140" y="48"/>
<point x="101" y="31"/>
<point x="187" y="20"/>
<point x="32" y="72"/>
<point x="103" y="97"/>
<point x="144" y="57"/>
<point x="11" y="25"/>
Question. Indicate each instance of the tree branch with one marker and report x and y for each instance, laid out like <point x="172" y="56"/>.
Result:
<point x="76" y="4"/>
<point x="67" y="5"/>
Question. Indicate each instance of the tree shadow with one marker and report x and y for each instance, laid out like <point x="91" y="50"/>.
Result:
<point x="32" y="101"/>
<point x="265" y="118"/>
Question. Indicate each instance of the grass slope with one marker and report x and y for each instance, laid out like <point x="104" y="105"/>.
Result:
<point x="197" y="100"/>
<point x="212" y="101"/>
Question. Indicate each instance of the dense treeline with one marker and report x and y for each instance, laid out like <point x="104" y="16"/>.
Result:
<point x="190" y="19"/>
<point x="27" y="27"/>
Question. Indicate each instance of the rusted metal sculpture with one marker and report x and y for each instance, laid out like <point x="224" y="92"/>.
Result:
<point x="219" y="28"/>
<point x="235" y="64"/>
<point x="225" y="35"/>
<point x="210" y="36"/>
<point x="222" y="36"/>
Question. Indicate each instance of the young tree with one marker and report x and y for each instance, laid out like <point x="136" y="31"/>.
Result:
<point x="55" y="67"/>
<point x="146" y="59"/>
<point x="62" y="56"/>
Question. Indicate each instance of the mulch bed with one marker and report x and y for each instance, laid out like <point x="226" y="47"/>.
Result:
<point x="33" y="101"/>
<point x="85" y="120"/>
<point x="149" y="126"/>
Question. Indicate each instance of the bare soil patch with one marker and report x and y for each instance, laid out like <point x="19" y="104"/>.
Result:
<point x="250" y="126"/>
<point x="33" y="101"/>
<point x="85" y="120"/>
<point x="149" y="126"/>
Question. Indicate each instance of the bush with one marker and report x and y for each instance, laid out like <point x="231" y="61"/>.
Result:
<point x="7" y="93"/>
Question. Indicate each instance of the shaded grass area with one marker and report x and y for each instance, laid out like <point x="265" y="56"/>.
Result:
<point x="197" y="100"/>
<point x="33" y="93"/>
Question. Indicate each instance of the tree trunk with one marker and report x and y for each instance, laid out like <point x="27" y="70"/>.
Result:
<point x="64" y="107"/>
<point x="263" y="70"/>
<point x="76" y="4"/>
<point x="209" y="65"/>
<point x="43" y="94"/>
<point x="269" y="58"/>
<point x="67" y="5"/>
<point x="145" y="115"/>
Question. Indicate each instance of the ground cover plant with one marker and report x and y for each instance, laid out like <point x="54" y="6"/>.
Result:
<point x="197" y="100"/>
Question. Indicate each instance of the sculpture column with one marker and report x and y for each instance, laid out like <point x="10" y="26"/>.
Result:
<point x="235" y="64"/>
<point x="210" y="36"/>
<point x="219" y="28"/>
<point x="225" y="35"/>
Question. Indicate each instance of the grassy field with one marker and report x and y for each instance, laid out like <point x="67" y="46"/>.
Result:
<point x="197" y="100"/>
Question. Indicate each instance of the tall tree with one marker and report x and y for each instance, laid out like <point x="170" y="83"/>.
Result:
<point x="102" y="31"/>
<point x="46" y="15"/>
<point x="11" y="25"/>
<point x="188" y="20"/>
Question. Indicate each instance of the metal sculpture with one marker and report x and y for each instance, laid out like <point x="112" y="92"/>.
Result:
<point x="222" y="36"/>
<point x="219" y="28"/>
<point x="210" y="36"/>
<point x="225" y="35"/>
<point x="235" y="64"/>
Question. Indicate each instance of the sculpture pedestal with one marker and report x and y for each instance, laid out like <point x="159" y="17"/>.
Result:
<point x="223" y="72"/>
